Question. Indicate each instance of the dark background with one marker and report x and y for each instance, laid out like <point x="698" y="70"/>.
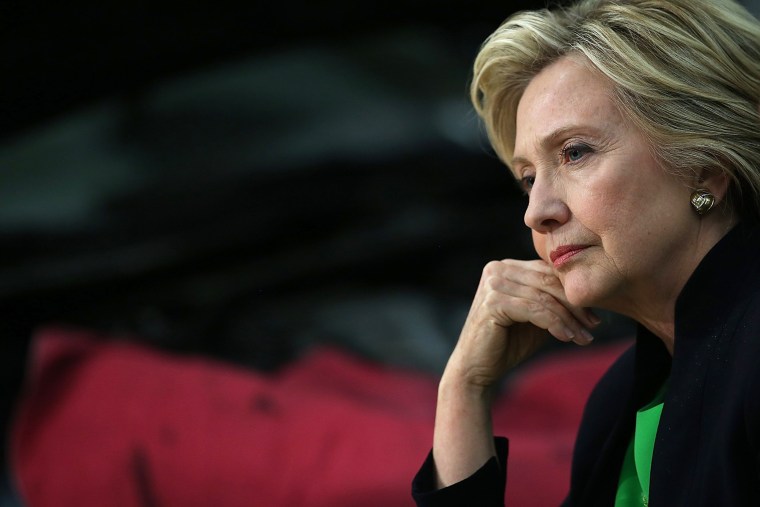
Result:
<point x="246" y="181"/>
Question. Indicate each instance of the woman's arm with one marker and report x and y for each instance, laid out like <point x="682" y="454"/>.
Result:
<point x="515" y="304"/>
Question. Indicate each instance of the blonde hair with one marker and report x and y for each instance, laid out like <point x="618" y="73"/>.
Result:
<point x="686" y="72"/>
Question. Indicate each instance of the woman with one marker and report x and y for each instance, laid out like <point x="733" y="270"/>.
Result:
<point x="634" y="129"/>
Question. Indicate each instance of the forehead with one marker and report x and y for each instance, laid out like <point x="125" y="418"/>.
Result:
<point x="567" y="94"/>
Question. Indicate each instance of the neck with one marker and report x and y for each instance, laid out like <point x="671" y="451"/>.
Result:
<point x="658" y="318"/>
<point x="654" y="306"/>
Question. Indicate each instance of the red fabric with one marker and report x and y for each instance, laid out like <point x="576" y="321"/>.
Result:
<point x="117" y="424"/>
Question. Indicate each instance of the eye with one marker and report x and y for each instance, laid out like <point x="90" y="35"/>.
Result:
<point x="526" y="183"/>
<point x="574" y="152"/>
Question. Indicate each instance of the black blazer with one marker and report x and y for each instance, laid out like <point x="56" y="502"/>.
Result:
<point x="707" y="449"/>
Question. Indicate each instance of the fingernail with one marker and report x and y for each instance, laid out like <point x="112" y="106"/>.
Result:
<point x="593" y="318"/>
<point x="569" y="333"/>
<point x="587" y="335"/>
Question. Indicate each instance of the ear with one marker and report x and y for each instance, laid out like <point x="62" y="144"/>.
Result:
<point x="716" y="181"/>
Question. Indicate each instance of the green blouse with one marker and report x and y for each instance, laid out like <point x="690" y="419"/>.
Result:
<point x="633" y="487"/>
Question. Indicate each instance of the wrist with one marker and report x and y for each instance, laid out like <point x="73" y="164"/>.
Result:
<point x="463" y="438"/>
<point x="464" y="389"/>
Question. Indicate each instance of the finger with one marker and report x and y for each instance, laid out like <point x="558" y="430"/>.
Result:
<point x="556" y="320"/>
<point x="522" y="303"/>
<point x="593" y="317"/>
<point x="540" y="275"/>
<point x="518" y="278"/>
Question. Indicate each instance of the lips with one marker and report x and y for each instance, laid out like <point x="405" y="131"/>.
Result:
<point x="564" y="253"/>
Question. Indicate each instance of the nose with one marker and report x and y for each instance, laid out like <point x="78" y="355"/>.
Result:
<point x="547" y="208"/>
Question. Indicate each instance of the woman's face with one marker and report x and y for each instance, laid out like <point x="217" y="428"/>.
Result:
<point x="616" y="227"/>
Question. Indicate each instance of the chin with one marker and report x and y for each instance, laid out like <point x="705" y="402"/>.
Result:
<point x="579" y="291"/>
<point x="582" y="301"/>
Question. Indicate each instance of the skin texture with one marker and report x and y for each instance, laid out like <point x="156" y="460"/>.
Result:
<point x="592" y="182"/>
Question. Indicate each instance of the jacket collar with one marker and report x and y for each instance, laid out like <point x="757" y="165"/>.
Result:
<point x="716" y="286"/>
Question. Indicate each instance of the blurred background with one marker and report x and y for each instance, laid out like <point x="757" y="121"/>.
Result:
<point x="246" y="182"/>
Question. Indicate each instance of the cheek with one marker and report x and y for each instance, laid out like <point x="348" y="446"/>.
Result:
<point x="539" y="244"/>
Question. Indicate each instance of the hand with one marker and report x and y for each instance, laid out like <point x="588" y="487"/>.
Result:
<point x="516" y="303"/>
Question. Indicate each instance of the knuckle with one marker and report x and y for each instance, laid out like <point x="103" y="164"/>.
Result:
<point x="491" y="269"/>
<point x="490" y="283"/>
<point x="491" y="299"/>
<point x="555" y="320"/>
<point x="549" y="280"/>
<point x="545" y="298"/>
<point x="534" y="307"/>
